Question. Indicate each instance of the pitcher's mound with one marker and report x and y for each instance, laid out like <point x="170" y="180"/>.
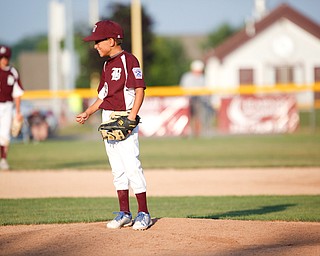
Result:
<point x="166" y="237"/>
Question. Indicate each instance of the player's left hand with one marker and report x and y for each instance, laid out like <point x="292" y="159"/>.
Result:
<point x="119" y="128"/>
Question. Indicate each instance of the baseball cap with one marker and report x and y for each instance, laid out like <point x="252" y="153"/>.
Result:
<point x="5" y="51"/>
<point x="105" y="29"/>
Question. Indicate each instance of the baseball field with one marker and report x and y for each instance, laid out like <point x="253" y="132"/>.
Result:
<point x="224" y="195"/>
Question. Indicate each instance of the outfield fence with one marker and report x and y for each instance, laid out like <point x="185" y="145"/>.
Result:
<point x="60" y="100"/>
<point x="169" y="91"/>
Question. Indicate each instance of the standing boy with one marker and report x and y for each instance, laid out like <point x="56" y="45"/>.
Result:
<point x="121" y="88"/>
<point x="11" y="91"/>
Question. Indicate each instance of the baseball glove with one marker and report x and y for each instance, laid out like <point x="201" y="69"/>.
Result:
<point x="118" y="128"/>
<point x="16" y="126"/>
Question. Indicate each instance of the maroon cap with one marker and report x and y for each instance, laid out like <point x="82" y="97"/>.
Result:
<point x="5" y="51"/>
<point x="105" y="29"/>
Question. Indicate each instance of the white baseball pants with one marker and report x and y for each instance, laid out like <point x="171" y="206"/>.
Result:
<point x="6" y="112"/>
<point x="124" y="161"/>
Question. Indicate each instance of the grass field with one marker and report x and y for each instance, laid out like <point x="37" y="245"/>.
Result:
<point x="289" y="150"/>
<point x="66" y="210"/>
<point x="80" y="147"/>
<point x="301" y="149"/>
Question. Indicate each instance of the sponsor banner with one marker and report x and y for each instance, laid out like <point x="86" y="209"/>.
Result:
<point x="164" y="116"/>
<point x="258" y="114"/>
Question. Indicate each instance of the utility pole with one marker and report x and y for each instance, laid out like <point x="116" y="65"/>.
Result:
<point x="55" y="36"/>
<point x="69" y="53"/>
<point x="136" y="30"/>
<point x="93" y="12"/>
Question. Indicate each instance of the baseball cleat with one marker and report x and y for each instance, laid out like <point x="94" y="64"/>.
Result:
<point x="142" y="221"/>
<point x="121" y="220"/>
<point x="4" y="164"/>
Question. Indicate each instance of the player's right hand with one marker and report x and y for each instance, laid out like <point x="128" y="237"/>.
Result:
<point x="82" y="118"/>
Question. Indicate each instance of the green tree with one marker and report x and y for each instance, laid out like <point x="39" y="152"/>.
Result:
<point x="37" y="43"/>
<point x="163" y="59"/>
<point x="169" y="62"/>
<point x="82" y="49"/>
<point x="219" y="35"/>
<point x="121" y="14"/>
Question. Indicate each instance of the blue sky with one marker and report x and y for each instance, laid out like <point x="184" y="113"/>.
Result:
<point x="20" y="18"/>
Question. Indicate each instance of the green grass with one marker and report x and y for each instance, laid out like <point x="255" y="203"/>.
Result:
<point x="80" y="147"/>
<point x="83" y="153"/>
<point x="232" y="151"/>
<point x="72" y="210"/>
<point x="58" y="154"/>
<point x="288" y="150"/>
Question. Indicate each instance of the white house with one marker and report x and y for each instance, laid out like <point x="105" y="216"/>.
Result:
<point x="281" y="47"/>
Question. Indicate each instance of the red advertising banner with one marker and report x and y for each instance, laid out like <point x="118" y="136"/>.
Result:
<point x="258" y="114"/>
<point x="164" y="116"/>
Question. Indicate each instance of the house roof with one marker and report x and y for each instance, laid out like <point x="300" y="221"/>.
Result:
<point x="282" y="11"/>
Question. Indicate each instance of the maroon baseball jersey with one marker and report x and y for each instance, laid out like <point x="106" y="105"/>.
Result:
<point x="10" y="84"/>
<point x="121" y="75"/>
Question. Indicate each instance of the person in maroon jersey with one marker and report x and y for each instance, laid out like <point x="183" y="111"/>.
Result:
<point x="11" y="91"/>
<point x="121" y="88"/>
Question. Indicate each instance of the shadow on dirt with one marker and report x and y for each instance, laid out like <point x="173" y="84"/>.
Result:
<point x="246" y="213"/>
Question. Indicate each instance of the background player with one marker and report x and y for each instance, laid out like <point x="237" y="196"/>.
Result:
<point x="201" y="111"/>
<point x="121" y="88"/>
<point x="11" y="91"/>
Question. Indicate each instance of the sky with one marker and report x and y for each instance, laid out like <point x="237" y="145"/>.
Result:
<point x="22" y="18"/>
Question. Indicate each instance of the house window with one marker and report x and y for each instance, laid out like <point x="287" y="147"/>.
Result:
<point x="284" y="75"/>
<point x="317" y="79"/>
<point x="246" y="76"/>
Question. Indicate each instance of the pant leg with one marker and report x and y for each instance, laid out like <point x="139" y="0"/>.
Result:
<point x="120" y="179"/>
<point x="129" y="153"/>
<point x="6" y="112"/>
<point x="124" y="161"/>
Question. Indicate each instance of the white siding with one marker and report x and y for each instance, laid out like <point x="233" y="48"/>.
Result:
<point x="282" y="44"/>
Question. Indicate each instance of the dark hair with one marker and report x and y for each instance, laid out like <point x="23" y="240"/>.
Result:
<point x="118" y="41"/>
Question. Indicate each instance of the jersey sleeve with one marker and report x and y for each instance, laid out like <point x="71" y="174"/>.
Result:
<point x="135" y="75"/>
<point x="18" y="90"/>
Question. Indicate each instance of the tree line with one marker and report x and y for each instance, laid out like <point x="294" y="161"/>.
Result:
<point x="164" y="58"/>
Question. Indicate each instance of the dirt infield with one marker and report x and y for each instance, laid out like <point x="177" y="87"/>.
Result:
<point x="167" y="236"/>
<point x="73" y="183"/>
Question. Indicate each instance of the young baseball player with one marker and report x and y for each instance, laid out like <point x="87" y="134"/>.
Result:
<point x="121" y="90"/>
<point x="11" y="91"/>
